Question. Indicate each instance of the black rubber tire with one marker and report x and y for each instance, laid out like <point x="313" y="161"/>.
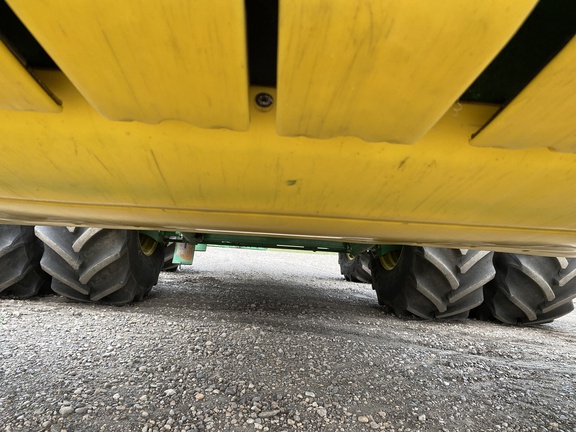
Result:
<point x="433" y="283"/>
<point x="530" y="289"/>
<point x="355" y="268"/>
<point x="20" y="253"/>
<point x="99" y="265"/>
<point x="168" y="265"/>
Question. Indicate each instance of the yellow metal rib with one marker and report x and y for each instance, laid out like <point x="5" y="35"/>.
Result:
<point x="150" y="60"/>
<point x="18" y="89"/>
<point x="543" y="114"/>
<point x="383" y="70"/>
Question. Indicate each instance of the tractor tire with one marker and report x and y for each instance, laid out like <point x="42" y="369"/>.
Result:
<point x="431" y="283"/>
<point x="20" y="253"/>
<point x="530" y="289"/>
<point x="100" y="265"/>
<point x="168" y="265"/>
<point x="355" y="268"/>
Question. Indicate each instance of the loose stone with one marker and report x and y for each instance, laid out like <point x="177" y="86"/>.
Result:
<point x="66" y="410"/>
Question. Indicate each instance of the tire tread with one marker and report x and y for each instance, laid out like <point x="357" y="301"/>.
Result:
<point x="434" y="283"/>
<point x="356" y="269"/>
<point x="20" y="253"/>
<point x="531" y="289"/>
<point x="104" y="272"/>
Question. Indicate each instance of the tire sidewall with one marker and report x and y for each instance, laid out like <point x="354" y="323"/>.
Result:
<point x="384" y="281"/>
<point x="347" y="265"/>
<point x="145" y="268"/>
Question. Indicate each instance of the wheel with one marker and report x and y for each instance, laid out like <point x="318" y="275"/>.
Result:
<point x="530" y="289"/>
<point x="355" y="268"/>
<point x="20" y="253"/>
<point x="430" y="282"/>
<point x="95" y="264"/>
<point x="168" y="265"/>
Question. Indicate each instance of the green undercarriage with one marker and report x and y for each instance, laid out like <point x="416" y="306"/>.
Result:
<point x="200" y="241"/>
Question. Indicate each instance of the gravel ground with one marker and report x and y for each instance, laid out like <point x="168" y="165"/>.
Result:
<point x="272" y="341"/>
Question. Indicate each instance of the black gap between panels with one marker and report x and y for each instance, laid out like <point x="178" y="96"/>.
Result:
<point x="262" y="28"/>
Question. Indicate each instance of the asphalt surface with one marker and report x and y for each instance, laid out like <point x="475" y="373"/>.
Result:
<point x="274" y="341"/>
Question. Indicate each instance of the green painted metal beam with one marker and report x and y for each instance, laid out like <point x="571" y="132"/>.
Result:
<point x="267" y="242"/>
<point x="202" y="240"/>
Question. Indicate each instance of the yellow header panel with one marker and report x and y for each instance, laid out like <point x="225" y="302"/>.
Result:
<point x="79" y="168"/>
<point x="150" y="60"/>
<point x="18" y="89"/>
<point x="383" y="70"/>
<point x="543" y="114"/>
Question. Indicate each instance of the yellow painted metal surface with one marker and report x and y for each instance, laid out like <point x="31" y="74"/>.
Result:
<point x="18" y="89"/>
<point x="79" y="168"/>
<point x="383" y="70"/>
<point x="543" y="114"/>
<point x="149" y="60"/>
